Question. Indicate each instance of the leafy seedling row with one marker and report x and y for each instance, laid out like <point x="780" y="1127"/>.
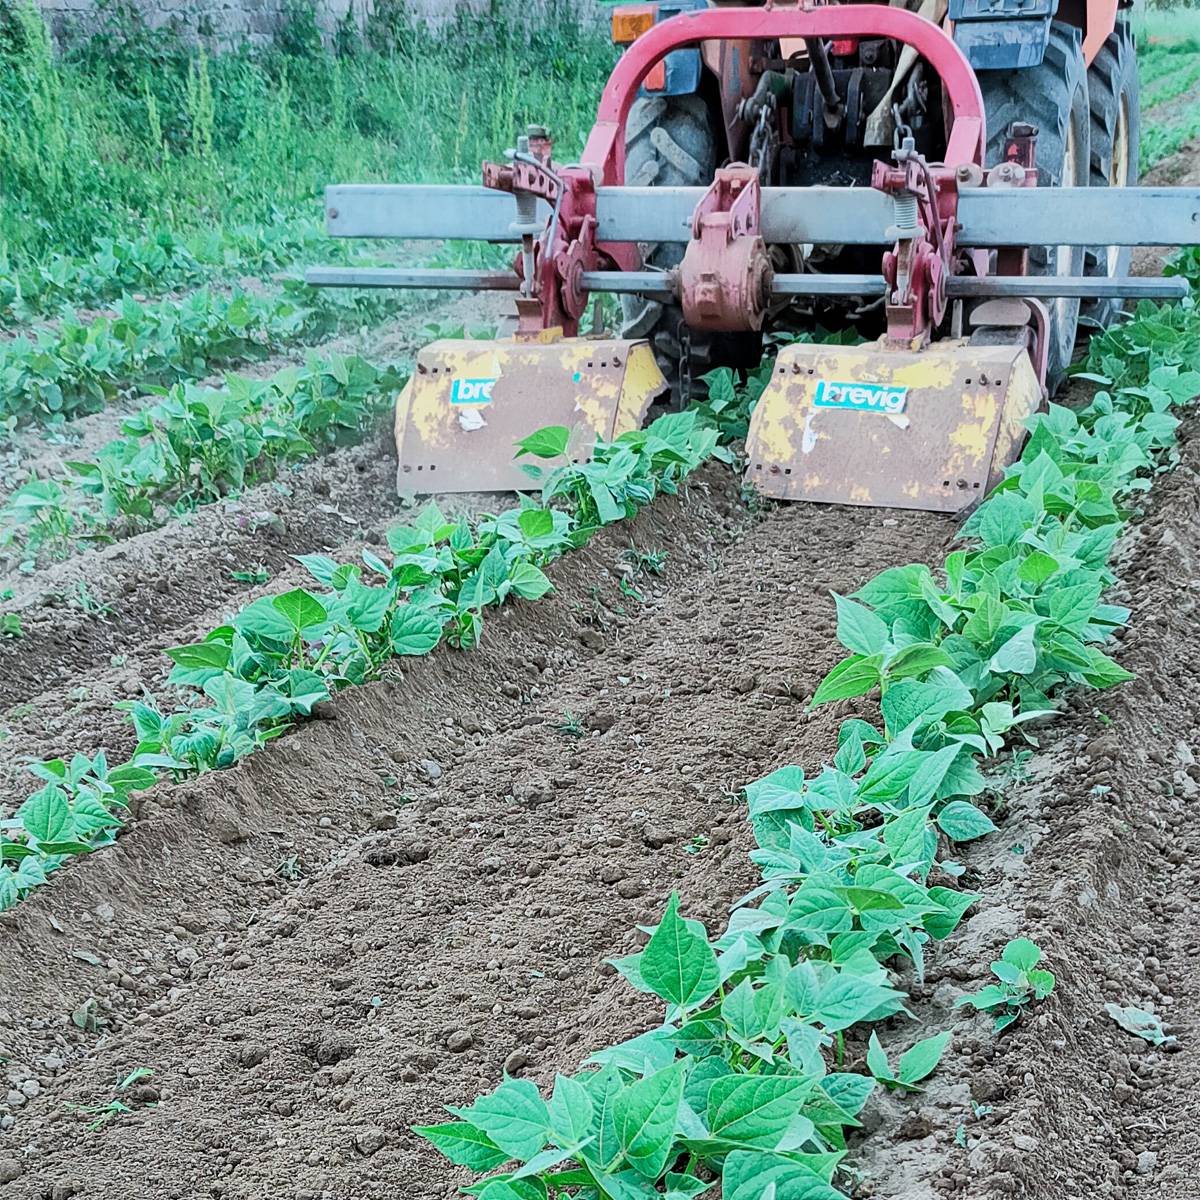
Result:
<point x="747" y="1086"/>
<point x="196" y="446"/>
<point x="154" y="263"/>
<point x="248" y="681"/>
<point x="78" y="367"/>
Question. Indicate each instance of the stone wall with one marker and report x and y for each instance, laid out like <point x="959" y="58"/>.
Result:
<point x="226" y="22"/>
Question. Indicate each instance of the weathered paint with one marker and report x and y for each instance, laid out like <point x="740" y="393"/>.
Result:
<point x="962" y="422"/>
<point x="596" y="388"/>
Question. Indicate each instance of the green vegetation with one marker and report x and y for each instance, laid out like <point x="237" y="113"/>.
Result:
<point x="194" y="447"/>
<point x="78" y="367"/>
<point x="151" y="263"/>
<point x="134" y="130"/>
<point x="1019" y="983"/>
<point x="749" y="1075"/>
<point x="251" y="679"/>
<point x="1168" y="44"/>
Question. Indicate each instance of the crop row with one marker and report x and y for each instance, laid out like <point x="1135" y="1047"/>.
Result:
<point x="248" y="681"/>
<point x="194" y="447"/>
<point x="751" y="1080"/>
<point x="748" y="1078"/>
<point x="154" y="263"/>
<point x="78" y="367"/>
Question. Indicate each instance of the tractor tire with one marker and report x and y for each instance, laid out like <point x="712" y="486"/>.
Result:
<point x="1054" y="97"/>
<point x="1116" y="138"/>
<point x="669" y="142"/>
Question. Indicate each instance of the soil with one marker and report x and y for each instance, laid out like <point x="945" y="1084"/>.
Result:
<point x="398" y="901"/>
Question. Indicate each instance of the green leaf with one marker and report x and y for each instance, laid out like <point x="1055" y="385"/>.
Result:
<point x="300" y="609"/>
<point x="514" y="1116"/>
<point x="1018" y="655"/>
<point x="858" y="628"/>
<point x="536" y="523"/>
<point x="915" y="660"/>
<point x="1037" y="568"/>
<point x="464" y="1144"/>
<point x="514" y="1189"/>
<point x="753" y="1175"/>
<point x="780" y="791"/>
<point x="550" y="442"/>
<point x="877" y="1062"/>
<point x="923" y="1058"/>
<point x="529" y="582"/>
<point x="941" y="925"/>
<point x="604" y="1087"/>
<point x="46" y="815"/>
<point x="1022" y="954"/>
<point x="414" y="631"/>
<point x="645" y="1114"/>
<point x="678" y="964"/>
<point x="202" y="656"/>
<point x="961" y="821"/>
<point x="928" y="776"/>
<point x="755" y="1110"/>
<point x="571" y="1111"/>
<point x="850" y="999"/>
<point x="853" y="676"/>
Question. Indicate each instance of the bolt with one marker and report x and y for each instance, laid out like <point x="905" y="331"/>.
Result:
<point x="333" y="212"/>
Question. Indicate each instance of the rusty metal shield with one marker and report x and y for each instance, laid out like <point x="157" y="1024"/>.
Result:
<point x="469" y="402"/>
<point x="893" y="428"/>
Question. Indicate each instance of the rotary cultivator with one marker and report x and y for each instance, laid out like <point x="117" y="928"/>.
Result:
<point x="954" y="183"/>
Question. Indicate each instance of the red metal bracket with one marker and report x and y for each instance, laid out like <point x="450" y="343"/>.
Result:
<point x="725" y="276"/>
<point x="916" y="268"/>
<point x="553" y="257"/>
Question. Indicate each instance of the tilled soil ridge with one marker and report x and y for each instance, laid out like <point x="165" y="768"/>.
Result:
<point x="297" y="1027"/>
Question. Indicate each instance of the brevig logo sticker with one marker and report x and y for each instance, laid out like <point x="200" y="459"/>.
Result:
<point x="861" y="397"/>
<point x="472" y="391"/>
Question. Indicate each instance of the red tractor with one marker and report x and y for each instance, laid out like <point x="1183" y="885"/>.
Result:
<point x="952" y="183"/>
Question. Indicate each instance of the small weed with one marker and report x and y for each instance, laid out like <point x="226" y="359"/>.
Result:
<point x="116" y="1107"/>
<point x="84" y="600"/>
<point x="697" y="844"/>
<point x="627" y="589"/>
<point x="1017" y="767"/>
<point x="571" y="726"/>
<point x="646" y="562"/>
<point x="290" y="868"/>
<point x="1101" y="717"/>
<point x="258" y="574"/>
<point x="1020" y="984"/>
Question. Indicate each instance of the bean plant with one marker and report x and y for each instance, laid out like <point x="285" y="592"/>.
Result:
<point x="153" y="263"/>
<point x="78" y="366"/>
<point x="194" y="447"/>
<point x="247" y="681"/>
<point x="749" y="1080"/>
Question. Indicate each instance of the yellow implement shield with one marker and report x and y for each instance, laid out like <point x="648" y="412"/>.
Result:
<point x="873" y="425"/>
<point x="469" y="402"/>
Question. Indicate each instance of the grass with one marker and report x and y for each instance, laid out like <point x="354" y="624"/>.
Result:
<point x="133" y="129"/>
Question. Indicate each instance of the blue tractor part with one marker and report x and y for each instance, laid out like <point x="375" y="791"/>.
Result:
<point x="998" y="35"/>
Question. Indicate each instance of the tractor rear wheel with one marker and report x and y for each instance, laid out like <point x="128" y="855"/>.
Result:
<point x="1054" y="97"/>
<point x="669" y="142"/>
<point x="1116" y="137"/>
